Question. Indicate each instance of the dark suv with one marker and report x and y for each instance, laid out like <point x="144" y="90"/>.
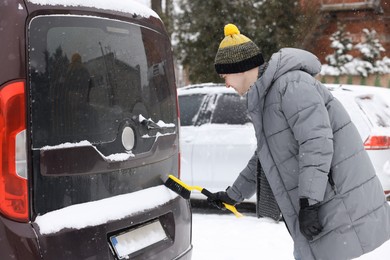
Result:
<point x="88" y="133"/>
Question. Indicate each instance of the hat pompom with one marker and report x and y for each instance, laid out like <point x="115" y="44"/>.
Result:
<point x="231" y="29"/>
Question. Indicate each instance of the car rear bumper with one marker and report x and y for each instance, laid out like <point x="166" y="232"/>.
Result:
<point x="93" y="242"/>
<point x="18" y="241"/>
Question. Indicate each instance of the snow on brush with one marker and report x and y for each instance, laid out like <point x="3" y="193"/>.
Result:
<point x="91" y="214"/>
<point x="127" y="6"/>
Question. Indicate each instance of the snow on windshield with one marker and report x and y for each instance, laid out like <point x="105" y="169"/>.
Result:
<point x="127" y="6"/>
<point x="102" y="211"/>
<point x="208" y="88"/>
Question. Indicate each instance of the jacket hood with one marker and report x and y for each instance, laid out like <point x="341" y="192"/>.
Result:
<point x="285" y="60"/>
<point x="281" y="62"/>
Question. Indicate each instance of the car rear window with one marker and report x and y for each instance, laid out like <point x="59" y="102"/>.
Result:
<point x="214" y="108"/>
<point x="189" y="108"/>
<point x="92" y="80"/>
<point x="88" y="75"/>
<point x="230" y="109"/>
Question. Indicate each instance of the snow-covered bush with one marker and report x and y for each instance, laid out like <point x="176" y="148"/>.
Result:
<point x="341" y="43"/>
<point x="370" y="48"/>
<point x="369" y="62"/>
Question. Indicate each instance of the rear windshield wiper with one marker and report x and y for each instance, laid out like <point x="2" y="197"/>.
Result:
<point x="151" y="125"/>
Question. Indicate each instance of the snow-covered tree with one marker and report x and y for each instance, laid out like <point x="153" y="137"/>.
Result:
<point x="370" y="48"/>
<point x="279" y="25"/>
<point x="341" y="42"/>
<point x="369" y="61"/>
<point x="199" y="30"/>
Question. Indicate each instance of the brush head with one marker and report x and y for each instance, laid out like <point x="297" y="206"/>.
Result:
<point x="179" y="189"/>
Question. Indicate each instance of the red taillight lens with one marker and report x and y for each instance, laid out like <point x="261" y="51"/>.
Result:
<point x="13" y="175"/>
<point x="376" y="142"/>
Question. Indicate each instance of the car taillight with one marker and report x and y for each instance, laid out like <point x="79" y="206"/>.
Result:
<point x="377" y="142"/>
<point x="13" y="166"/>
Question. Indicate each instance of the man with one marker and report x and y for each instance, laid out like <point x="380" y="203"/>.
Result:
<point x="309" y="151"/>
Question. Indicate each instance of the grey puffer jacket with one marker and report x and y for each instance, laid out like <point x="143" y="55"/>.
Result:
<point x="308" y="147"/>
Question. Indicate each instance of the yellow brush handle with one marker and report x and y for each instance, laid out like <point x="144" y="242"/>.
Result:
<point x="188" y="187"/>
<point x="233" y="209"/>
<point x="227" y="206"/>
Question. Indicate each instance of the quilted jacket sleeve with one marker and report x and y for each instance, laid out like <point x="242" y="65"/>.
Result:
<point x="245" y="185"/>
<point x="307" y="116"/>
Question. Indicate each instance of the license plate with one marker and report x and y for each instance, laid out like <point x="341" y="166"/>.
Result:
<point x="131" y="241"/>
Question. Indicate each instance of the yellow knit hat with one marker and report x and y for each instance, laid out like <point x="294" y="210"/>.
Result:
<point x="236" y="52"/>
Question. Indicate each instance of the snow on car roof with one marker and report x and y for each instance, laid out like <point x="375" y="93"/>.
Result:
<point x="128" y="6"/>
<point x="204" y="88"/>
<point x="358" y="89"/>
<point x="374" y="102"/>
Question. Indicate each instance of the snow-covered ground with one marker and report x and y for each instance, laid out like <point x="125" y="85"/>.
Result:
<point x="226" y="237"/>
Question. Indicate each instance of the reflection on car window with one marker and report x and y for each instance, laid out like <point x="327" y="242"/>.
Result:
<point x="189" y="108"/>
<point x="376" y="110"/>
<point x="230" y="109"/>
<point x="90" y="75"/>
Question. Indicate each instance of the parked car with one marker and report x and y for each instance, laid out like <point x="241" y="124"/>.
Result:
<point x="369" y="108"/>
<point x="218" y="139"/>
<point x="89" y="133"/>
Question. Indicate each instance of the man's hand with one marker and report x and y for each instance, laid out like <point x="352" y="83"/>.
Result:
<point x="309" y="223"/>
<point x="217" y="199"/>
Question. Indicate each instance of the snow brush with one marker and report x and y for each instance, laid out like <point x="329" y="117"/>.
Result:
<point x="184" y="191"/>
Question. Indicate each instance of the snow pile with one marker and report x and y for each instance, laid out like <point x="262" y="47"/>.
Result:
<point x="162" y="124"/>
<point x="102" y="211"/>
<point x="128" y="6"/>
<point x="118" y="157"/>
<point x="67" y="145"/>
